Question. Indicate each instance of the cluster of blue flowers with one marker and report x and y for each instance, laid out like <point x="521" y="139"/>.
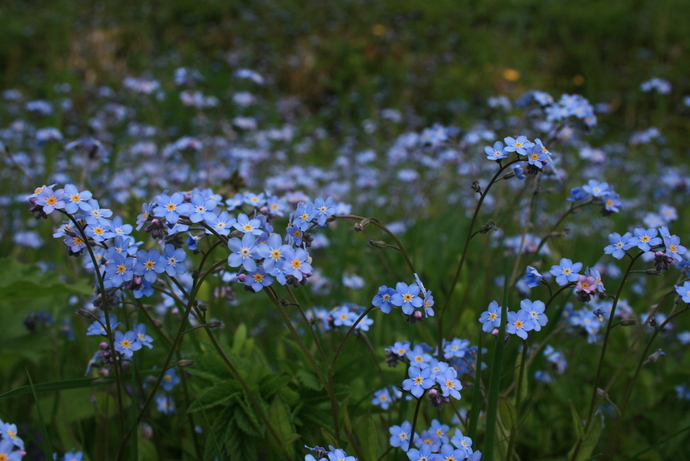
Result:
<point x="433" y="444"/>
<point x="345" y="315"/>
<point x="530" y="317"/>
<point x="647" y="241"/>
<point x="601" y="192"/>
<point x="332" y="454"/>
<point x="11" y="445"/>
<point x="408" y="297"/>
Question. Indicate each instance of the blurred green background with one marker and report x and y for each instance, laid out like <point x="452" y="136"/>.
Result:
<point x="358" y="55"/>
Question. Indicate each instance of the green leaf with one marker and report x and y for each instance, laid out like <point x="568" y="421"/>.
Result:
<point x="272" y="383"/>
<point x="367" y="434"/>
<point x="239" y="338"/>
<point x="247" y="419"/>
<point x="577" y="422"/>
<point x="216" y="395"/>
<point x="507" y="413"/>
<point x="21" y="282"/>
<point x="280" y="420"/>
<point x="345" y="415"/>
<point x="330" y="440"/>
<point x="589" y="441"/>
<point x="309" y="380"/>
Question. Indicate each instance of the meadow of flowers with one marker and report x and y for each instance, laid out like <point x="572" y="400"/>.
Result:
<point x="206" y="275"/>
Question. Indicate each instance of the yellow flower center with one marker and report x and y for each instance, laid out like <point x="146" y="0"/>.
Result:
<point x="171" y="207"/>
<point x="75" y="198"/>
<point x="51" y="200"/>
<point x="125" y="343"/>
<point x="518" y="324"/>
<point x="121" y="269"/>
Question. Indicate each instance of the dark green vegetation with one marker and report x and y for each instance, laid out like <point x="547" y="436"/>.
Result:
<point x="435" y="62"/>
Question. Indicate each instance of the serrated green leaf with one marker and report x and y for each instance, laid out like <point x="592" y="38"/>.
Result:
<point x="222" y="392"/>
<point x="368" y="437"/>
<point x="289" y="396"/>
<point x="507" y="413"/>
<point x="270" y="384"/>
<point x="239" y="338"/>
<point x="280" y="420"/>
<point x="247" y="419"/>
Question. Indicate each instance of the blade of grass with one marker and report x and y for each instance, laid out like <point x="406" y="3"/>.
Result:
<point x="47" y="447"/>
<point x="660" y="442"/>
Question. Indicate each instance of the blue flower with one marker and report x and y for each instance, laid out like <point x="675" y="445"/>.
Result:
<point x="619" y="244"/>
<point x="76" y="200"/>
<point x="424" y="453"/>
<point x="9" y="432"/>
<point x="535" y="313"/>
<point x="419" y="380"/>
<point x="170" y="207"/>
<point x="519" y="145"/>
<point x="126" y="343"/>
<point x="673" y="247"/>
<point x="450" y="385"/>
<point x="496" y="152"/>
<point x="595" y="188"/>
<point x="440" y="430"/>
<point x="201" y="208"/>
<point x="119" y="270"/>
<point x="303" y="215"/>
<point x="272" y="252"/>
<point x="170" y="379"/>
<point x="99" y="327"/>
<point x="142" y="337"/>
<point x="338" y="454"/>
<point x="456" y="348"/>
<point x="73" y="456"/>
<point x="258" y="279"/>
<point x="120" y="229"/>
<point x="165" y="403"/>
<point x="519" y="173"/>
<point x="243" y="252"/>
<point x="6" y="449"/>
<point x="221" y="223"/>
<point x="448" y="453"/>
<point x="383" y="298"/>
<point x="418" y="357"/>
<point x="51" y="200"/>
<point x="97" y="215"/>
<point x="401" y="435"/>
<point x="382" y="398"/>
<point x="297" y="263"/>
<point x="576" y="195"/>
<point x="406" y="296"/>
<point x="644" y="239"/>
<point x="518" y="324"/>
<point x="566" y="271"/>
<point x="173" y="259"/>
<point x="248" y="226"/>
<point x="491" y="318"/>
<point x="324" y="209"/>
<point x="149" y="264"/>
<point x="532" y="277"/>
<point x="462" y="443"/>
<point x="684" y="291"/>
